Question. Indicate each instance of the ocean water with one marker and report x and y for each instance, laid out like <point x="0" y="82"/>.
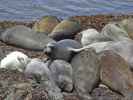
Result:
<point x="34" y="9"/>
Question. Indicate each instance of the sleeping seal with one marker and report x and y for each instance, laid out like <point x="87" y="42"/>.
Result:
<point x="62" y="49"/>
<point x="25" y="37"/>
<point x="67" y="29"/>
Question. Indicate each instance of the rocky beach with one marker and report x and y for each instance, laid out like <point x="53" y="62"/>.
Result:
<point x="107" y="77"/>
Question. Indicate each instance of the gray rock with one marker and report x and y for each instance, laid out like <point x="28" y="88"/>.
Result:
<point x="90" y="36"/>
<point x="25" y="37"/>
<point x="85" y="72"/>
<point x="114" y="32"/>
<point x="62" y="74"/>
<point x="124" y="48"/>
<point x="41" y="71"/>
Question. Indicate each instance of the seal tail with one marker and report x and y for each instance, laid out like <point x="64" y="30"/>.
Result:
<point x="80" y="49"/>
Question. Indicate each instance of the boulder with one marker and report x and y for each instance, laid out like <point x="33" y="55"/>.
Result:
<point x="86" y="68"/>
<point x="127" y="25"/>
<point x="115" y="73"/>
<point x="90" y="36"/>
<point x="113" y="32"/>
<point x="46" y="24"/>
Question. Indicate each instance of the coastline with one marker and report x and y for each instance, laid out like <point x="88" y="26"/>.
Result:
<point x="98" y="22"/>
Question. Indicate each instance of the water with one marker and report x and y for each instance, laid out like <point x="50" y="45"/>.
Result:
<point x="34" y="9"/>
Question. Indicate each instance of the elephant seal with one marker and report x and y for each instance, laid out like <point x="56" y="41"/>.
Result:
<point x="15" y="61"/>
<point x="25" y="37"/>
<point x="62" y="74"/>
<point x="63" y="49"/>
<point x="67" y="29"/>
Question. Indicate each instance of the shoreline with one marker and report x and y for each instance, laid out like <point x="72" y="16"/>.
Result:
<point x="94" y="21"/>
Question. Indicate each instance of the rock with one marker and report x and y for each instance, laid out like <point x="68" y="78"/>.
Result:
<point x="127" y="25"/>
<point x="15" y="61"/>
<point x="114" y="32"/>
<point x="63" y="49"/>
<point x="46" y="24"/>
<point x="124" y="48"/>
<point x="25" y="37"/>
<point x="91" y="36"/>
<point x="43" y="76"/>
<point x="62" y="74"/>
<point x="116" y="74"/>
<point x="86" y="70"/>
<point x="70" y="96"/>
<point x="67" y="29"/>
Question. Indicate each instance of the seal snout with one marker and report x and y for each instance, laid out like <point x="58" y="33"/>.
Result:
<point x="49" y="48"/>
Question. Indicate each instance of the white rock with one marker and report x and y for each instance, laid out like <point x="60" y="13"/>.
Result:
<point x="89" y="36"/>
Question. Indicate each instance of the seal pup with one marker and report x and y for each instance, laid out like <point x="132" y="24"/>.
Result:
<point x="62" y="74"/>
<point x="63" y="49"/>
<point x="15" y="61"/>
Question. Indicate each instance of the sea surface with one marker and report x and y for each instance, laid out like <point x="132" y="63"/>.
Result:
<point x="34" y="9"/>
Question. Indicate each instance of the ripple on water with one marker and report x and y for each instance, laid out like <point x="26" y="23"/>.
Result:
<point x="33" y="9"/>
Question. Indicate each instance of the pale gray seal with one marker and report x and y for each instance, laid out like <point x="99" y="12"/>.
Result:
<point x="62" y="74"/>
<point x="25" y="37"/>
<point x="63" y="49"/>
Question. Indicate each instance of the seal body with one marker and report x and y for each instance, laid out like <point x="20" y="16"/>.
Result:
<point x="90" y="36"/>
<point x="25" y="37"/>
<point x="62" y="49"/>
<point x="15" y="61"/>
<point x="67" y="29"/>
